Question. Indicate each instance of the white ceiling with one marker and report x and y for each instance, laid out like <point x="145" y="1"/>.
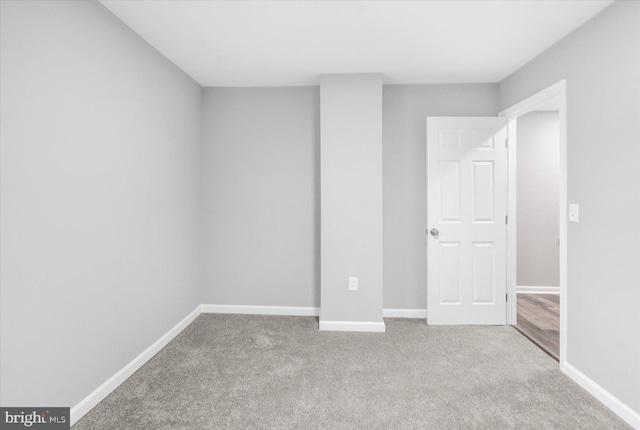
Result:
<point x="271" y="43"/>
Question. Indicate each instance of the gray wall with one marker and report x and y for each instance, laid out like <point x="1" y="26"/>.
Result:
<point x="351" y="196"/>
<point x="538" y="170"/>
<point x="405" y="108"/>
<point x="261" y="196"/>
<point x="99" y="149"/>
<point x="261" y="162"/>
<point x="601" y="64"/>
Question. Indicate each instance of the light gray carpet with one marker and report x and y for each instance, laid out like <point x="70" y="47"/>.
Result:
<point x="267" y="372"/>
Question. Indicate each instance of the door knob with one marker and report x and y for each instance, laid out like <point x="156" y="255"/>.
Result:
<point x="434" y="232"/>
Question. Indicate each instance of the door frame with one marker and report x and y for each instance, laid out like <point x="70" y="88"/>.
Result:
<point x="558" y="92"/>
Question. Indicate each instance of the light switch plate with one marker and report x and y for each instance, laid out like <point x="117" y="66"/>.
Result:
<point x="574" y="212"/>
<point x="353" y="283"/>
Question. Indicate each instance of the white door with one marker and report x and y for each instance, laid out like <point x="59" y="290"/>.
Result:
<point x="466" y="220"/>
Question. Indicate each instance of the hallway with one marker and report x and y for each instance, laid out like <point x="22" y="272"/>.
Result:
<point x="539" y="321"/>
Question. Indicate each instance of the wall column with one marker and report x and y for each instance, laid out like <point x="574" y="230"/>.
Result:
<point x="351" y="201"/>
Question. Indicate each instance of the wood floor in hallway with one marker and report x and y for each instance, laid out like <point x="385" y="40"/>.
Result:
<point x="539" y="320"/>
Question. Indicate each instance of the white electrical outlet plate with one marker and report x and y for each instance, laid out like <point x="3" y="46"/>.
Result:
<point x="353" y="283"/>
<point x="574" y="212"/>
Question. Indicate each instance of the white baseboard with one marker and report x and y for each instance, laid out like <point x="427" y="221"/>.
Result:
<point x="261" y="310"/>
<point x="86" y="404"/>
<point x="404" y="313"/>
<point x="526" y="289"/>
<point x="609" y="400"/>
<point x="299" y="311"/>
<point x="376" y="327"/>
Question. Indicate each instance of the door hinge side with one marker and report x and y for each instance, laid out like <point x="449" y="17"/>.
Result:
<point x="506" y="297"/>
<point x="506" y="219"/>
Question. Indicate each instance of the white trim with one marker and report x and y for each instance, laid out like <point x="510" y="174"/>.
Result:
<point x="512" y="213"/>
<point x="299" y="311"/>
<point x="261" y="310"/>
<point x="532" y="102"/>
<point x="609" y="400"/>
<point x="89" y="402"/>
<point x="564" y="297"/>
<point x="404" y="313"/>
<point x="530" y="289"/>
<point x="559" y="91"/>
<point x="377" y="327"/>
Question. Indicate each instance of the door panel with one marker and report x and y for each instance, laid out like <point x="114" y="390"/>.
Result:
<point x="483" y="276"/>
<point x="449" y="276"/>
<point x="466" y="204"/>
<point x="483" y="188"/>
<point x="449" y="191"/>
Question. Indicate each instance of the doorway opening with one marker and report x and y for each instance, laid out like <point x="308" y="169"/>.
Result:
<point x="538" y="227"/>
<point x="537" y="200"/>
